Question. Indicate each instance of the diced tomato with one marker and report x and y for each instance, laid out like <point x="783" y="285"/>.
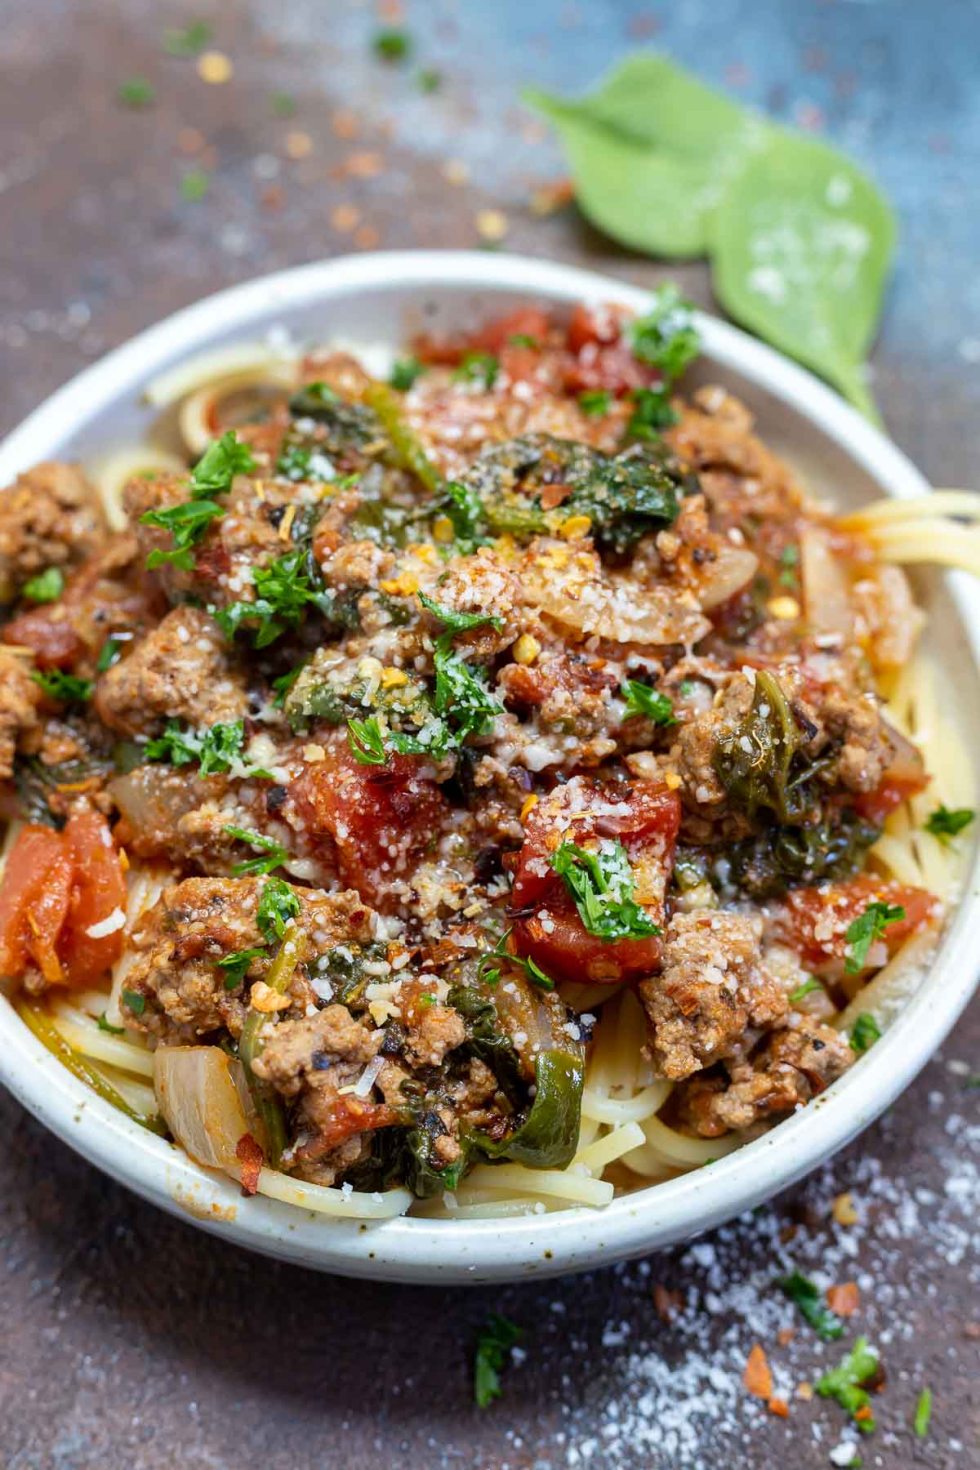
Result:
<point x="98" y="896"/>
<point x="378" y="820"/>
<point x="645" y="818"/>
<point x="897" y="787"/>
<point x="589" y="326"/>
<point x="814" y="921"/>
<point x="526" y="321"/>
<point x="613" y="369"/>
<point x="520" y="363"/>
<point x="56" y="887"/>
<point x="49" y="633"/>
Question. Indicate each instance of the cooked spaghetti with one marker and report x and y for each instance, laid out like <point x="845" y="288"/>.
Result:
<point x="478" y="792"/>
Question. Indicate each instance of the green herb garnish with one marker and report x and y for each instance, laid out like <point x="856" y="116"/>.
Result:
<point x="923" y="1414"/>
<point x="104" y="1025"/>
<point x="109" y="654"/>
<point x="844" y="1383"/>
<point x="194" y="185"/>
<point x="392" y="44"/>
<point x="478" y="368"/>
<point x="601" y="883"/>
<point x="789" y="560"/>
<point x="188" y="521"/>
<point x="47" y="586"/>
<point x="492" y="1347"/>
<point x="865" y="929"/>
<point x="807" y="1296"/>
<point x="216" y="748"/>
<point x="457" y="622"/>
<point x="284" y="590"/>
<point x="405" y="372"/>
<point x="665" y="337"/>
<point x="642" y="700"/>
<point x="136" y="92"/>
<point x="366" y="742"/>
<point x="652" y="412"/>
<point x="236" y="964"/>
<point x="594" y="402"/>
<point x="283" y="104"/>
<point x="189" y="41"/>
<point x="275" y="853"/>
<point x="277" y="905"/>
<point x="489" y="972"/>
<point x="801" y="991"/>
<point x="66" y="688"/>
<point x="864" y="1033"/>
<point x="134" y="1001"/>
<point x="946" y="824"/>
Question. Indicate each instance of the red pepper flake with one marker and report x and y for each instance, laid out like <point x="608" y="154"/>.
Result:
<point x="757" y="1377"/>
<point x="549" y="198"/>
<point x="364" y="165"/>
<point x="251" y="1158"/>
<point x="666" y="1302"/>
<point x="863" y="1414"/>
<point x="343" y="123"/>
<point x="844" y="1299"/>
<point x="785" y="1336"/>
<point x="779" y="1407"/>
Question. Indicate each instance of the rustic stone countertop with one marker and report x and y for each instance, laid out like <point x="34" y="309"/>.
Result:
<point x="131" y="1341"/>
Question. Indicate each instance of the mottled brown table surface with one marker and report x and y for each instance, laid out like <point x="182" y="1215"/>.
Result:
<point x="129" y="1340"/>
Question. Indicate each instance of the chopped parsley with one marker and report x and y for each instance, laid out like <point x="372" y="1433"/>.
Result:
<point x="492" y="1347"/>
<point x="923" y="1414"/>
<point x="864" y="1033"/>
<point x="601" y="883"/>
<point x="489" y="972"/>
<point x="845" y="1382"/>
<point x="392" y="44"/>
<point x="478" y="368"/>
<point x="524" y="339"/>
<point x="641" y="699"/>
<point x="194" y="185"/>
<point x="66" y="688"/>
<point x="807" y="1297"/>
<point x="429" y="79"/>
<point x="109" y="654"/>
<point x="665" y="338"/>
<point x="217" y="748"/>
<point x="461" y="694"/>
<point x="134" y="1001"/>
<point x="235" y="965"/>
<point x="594" y="402"/>
<point x="47" y="586"/>
<point x="189" y="41"/>
<point x="284" y="683"/>
<point x="283" y="104"/>
<point x="807" y="988"/>
<point x="104" y="1025"/>
<point x="406" y="372"/>
<point x="136" y="92"/>
<point x="789" y="560"/>
<point x="457" y="622"/>
<point x="275" y="853"/>
<point x="945" y="824"/>
<point x="277" y="905"/>
<point x="366" y="742"/>
<point x="651" y="413"/>
<point x="187" y="522"/>
<point x="865" y="929"/>
<point x="463" y="508"/>
<point x="284" y="590"/>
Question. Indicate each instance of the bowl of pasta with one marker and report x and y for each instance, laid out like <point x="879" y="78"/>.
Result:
<point x="482" y="762"/>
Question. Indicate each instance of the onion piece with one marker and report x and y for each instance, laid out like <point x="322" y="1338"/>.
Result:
<point x="732" y="569"/>
<point x="620" y="610"/>
<point x="197" y="1095"/>
<point x="826" y="590"/>
<point x="199" y="416"/>
<point x="223" y="362"/>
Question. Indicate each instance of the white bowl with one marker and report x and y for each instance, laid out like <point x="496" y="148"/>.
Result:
<point x="379" y="299"/>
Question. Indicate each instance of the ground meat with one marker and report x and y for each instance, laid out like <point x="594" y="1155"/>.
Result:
<point x="19" y="696"/>
<point x="713" y="988"/>
<point x="50" y="517"/>
<point x="314" y="1062"/>
<point x="180" y="941"/>
<point x="740" y="476"/>
<point x="431" y="1030"/>
<point x="182" y="670"/>
<point x="483" y="584"/>
<point x="789" y="1068"/>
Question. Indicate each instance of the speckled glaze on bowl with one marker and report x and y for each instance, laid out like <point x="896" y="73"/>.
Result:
<point x="380" y="299"/>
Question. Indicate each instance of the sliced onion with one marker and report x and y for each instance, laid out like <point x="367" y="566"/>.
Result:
<point x="199" y="417"/>
<point x="197" y="1094"/>
<point x="222" y="362"/>
<point x="732" y="569"/>
<point x="152" y="799"/>
<point x="620" y="611"/>
<point x="826" y="590"/>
